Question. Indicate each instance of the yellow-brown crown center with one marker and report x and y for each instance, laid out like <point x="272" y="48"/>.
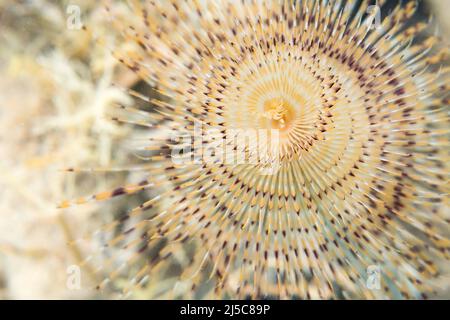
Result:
<point x="279" y="112"/>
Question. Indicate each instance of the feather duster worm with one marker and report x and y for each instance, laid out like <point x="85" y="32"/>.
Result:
<point x="357" y="115"/>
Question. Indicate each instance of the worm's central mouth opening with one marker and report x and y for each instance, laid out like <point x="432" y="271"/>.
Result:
<point x="279" y="113"/>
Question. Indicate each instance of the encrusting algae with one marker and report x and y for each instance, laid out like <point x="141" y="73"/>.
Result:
<point x="362" y="150"/>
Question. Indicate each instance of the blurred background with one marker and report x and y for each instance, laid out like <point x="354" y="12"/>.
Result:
<point x="57" y="86"/>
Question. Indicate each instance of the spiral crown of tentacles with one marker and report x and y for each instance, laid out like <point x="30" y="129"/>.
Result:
<point x="361" y="115"/>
